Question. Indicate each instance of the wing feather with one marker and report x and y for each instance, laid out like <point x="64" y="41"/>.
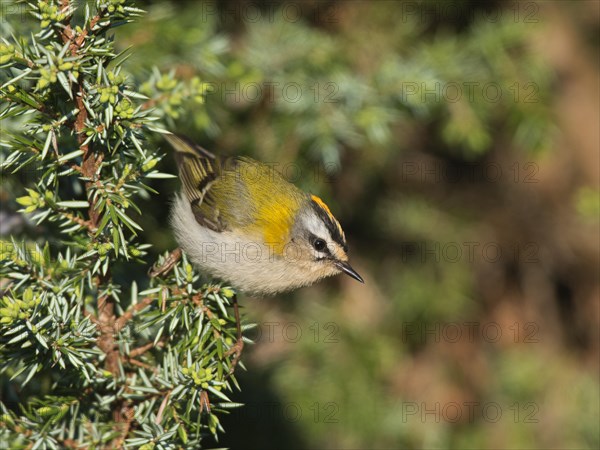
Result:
<point x="198" y="169"/>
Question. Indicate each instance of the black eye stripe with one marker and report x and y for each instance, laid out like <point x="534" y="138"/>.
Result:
<point x="331" y="226"/>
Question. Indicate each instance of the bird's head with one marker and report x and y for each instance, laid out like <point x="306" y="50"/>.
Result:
<point x="317" y="241"/>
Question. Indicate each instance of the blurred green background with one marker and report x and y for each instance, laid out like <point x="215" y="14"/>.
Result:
<point x="458" y="144"/>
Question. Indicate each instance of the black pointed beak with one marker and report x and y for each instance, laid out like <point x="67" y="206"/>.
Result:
<point x="347" y="269"/>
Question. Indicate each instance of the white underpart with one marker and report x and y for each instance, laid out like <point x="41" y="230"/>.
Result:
<point x="247" y="263"/>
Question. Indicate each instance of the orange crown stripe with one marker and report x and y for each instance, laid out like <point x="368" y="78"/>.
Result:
<point x="322" y="204"/>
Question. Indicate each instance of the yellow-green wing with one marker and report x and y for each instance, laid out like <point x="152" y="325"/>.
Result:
<point x="236" y="192"/>
<point x="198" y="170"/>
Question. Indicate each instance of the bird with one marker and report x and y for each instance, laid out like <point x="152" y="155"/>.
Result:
<point x="241" y="221"/>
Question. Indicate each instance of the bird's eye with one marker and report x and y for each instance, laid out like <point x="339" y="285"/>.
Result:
<point x="319" y="245"/>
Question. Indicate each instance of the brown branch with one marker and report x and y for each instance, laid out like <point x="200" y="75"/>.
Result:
<point x="107" y="323"/>
<point x="76" y="40"/>
<point x="70" y="443"/>
<point x="128" y="315"/>
<point x="67" y="33"/>
<point x="154" y="101"/>
<point x="143" y="349"/>
<point x="79" y="41"/>
<point x="135" y="362"/>
<point x="78" y="220"/>
<point x="167" y="265"/>
<point x="161" y="410"/>
<point x="127" y="415"/>
<point x="204" y="402"/>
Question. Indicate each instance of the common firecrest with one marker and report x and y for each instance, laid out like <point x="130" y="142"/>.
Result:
<point x="239" y="220"/>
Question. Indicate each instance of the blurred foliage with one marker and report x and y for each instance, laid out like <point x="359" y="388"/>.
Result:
<point x="588" y="203"/>
<point x="325" y="90"/>
<point x="429" y="129"/>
